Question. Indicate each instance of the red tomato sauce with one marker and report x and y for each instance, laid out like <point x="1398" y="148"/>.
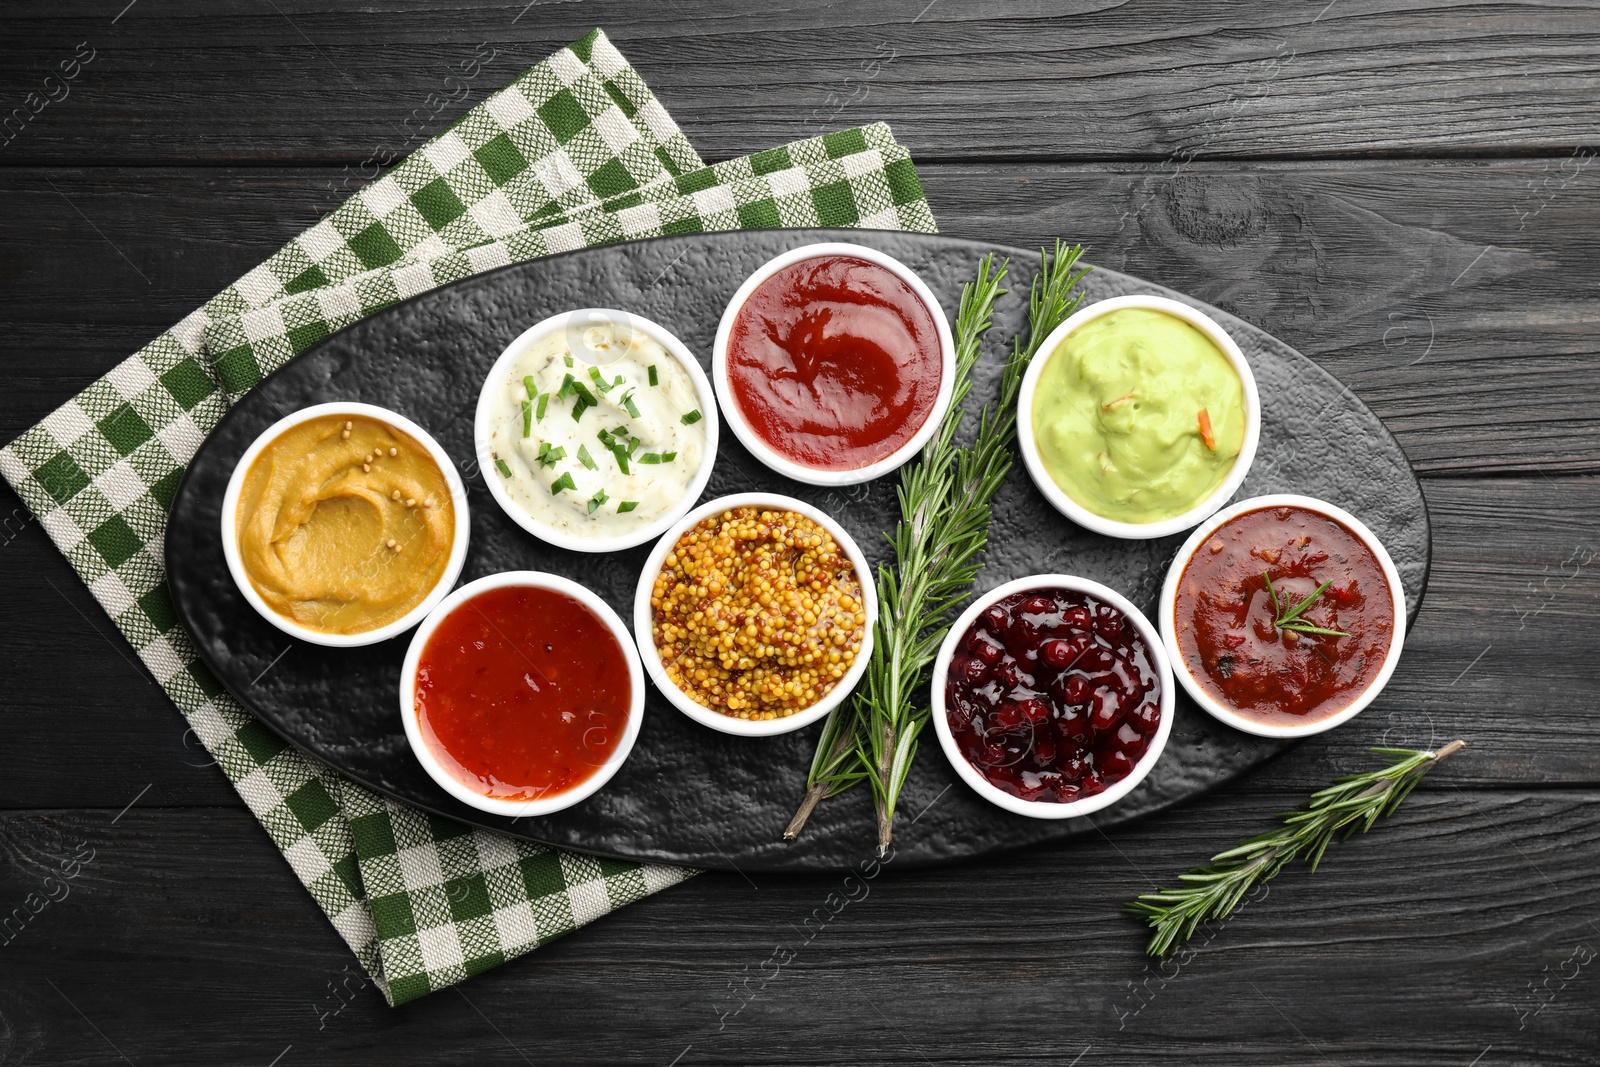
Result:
<point x="522" y="693"/>
<point x="834" y="362"/>
<point x="1224" y="616"/>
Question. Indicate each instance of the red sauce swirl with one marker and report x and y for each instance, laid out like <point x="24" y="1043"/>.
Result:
<point x="522" y="693"/>
<point x="1223" y="616"/>
<point x="834" y="362"/>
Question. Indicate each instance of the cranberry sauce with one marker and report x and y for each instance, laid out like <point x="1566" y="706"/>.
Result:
<point x="1053" y="695"/>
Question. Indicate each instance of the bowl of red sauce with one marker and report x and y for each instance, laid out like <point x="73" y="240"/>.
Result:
<point x="1052" y="696"/>
<point x="1283" y="616"/>
<point x="522" y="693"/>
<point x="833" y="363"/>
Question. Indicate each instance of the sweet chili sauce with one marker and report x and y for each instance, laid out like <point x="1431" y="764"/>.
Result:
<point x="522" y="692"/>
<point x="1224" y="616"/>
<point x="834" y="362"/>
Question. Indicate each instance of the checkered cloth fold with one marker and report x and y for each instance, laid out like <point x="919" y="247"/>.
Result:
<point x="576" y="152"/>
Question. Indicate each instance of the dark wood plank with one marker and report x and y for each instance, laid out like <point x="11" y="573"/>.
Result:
<point x="1509" y="634"/>
<point x="1449" y="296"/>
<point x="334" y="82"/>
<point x="1441" y="293"/>
<point x="85" y="723"/>
<point x="186" y="940"/>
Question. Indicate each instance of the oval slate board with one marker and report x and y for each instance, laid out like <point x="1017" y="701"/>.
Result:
<point x="687" y="794"/>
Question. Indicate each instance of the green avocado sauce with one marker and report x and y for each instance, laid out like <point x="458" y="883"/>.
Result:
<point x="1116" y="415"/>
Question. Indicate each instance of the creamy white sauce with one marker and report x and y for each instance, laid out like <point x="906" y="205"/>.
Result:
<point x="562" y="493"/>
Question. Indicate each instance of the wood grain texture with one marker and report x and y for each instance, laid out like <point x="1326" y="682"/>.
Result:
<point x="183" y="941"/>
<point x="311" y="80"/>
<point x="1361" y="179"/>
<point x="1439" y="292"/>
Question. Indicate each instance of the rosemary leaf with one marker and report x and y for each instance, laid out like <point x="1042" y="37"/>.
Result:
<point x="1291" y="620"/>
<point x="937" y="546"/>
<point x="1351" y="803"/>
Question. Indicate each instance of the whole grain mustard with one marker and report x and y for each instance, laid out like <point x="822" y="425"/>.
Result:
<point x="757" y="613"/>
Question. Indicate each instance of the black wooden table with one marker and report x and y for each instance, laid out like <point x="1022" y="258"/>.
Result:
<point x="1405" y="192"/>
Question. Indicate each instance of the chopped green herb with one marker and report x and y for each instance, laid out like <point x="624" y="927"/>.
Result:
<point x="583" y="392"/>
<point x="563" y="482"/>
<point x="544" y="401"/>
<point x="633" y="443"/>
<point x="653" y="379"/>
<point x="650" y="457"/>
<point x="691" y="418"/>
<point x="622" y="457"/>
<point x="668" y="457"/>
<point x="569" y="360"/>
<point x="596" y="500"/>
<point x="599" y="382"/>
<point x="500" y="465"/>
<point x="627" y="402"/>
<point x="566" y="387"/>
<point x="583" y="404"/>
<point x="586" y="459"/>
<point x="626" y="506"/>
<point x="527" y="418"/>
<point x="549" y="457"/>
<point x="527" y="383"/>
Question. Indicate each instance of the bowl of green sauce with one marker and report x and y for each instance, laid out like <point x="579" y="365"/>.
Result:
<point x="1139" y="417"/>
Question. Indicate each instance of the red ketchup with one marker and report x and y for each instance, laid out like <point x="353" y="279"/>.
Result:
<point x="1053" y="695"/>
<point x="834" y="362"/>
<point x="522" y="693"/>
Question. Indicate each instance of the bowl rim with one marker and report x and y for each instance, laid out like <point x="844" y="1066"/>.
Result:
<point x="1028" y="444"/>
<point x="539" y="805"/>
<point x="1167" y="615"/>
<point x="1042" y="809"/>
<point x="515" y="512"/>
<point x="230" y="521"/>
<point x="764" y="452"/>
<point x="642" y="618"/>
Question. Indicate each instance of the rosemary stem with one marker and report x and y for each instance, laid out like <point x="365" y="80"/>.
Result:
<point x="842" y="743"/>
<point x="808" y="804"/>
<point x="1351" y="803"/>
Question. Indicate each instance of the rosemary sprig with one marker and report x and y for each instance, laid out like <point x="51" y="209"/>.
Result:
<point x="1290" y="619"/>
<point x="937" y="544"/>
<point x="1351" y="803"/>
<point x="925" y="485"/>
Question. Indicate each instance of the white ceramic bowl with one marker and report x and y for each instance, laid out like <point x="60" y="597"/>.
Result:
<point x="496" y="379"/>
<point x="1167" y="613"/>
<point x="230" y="530"/>
<point x="541" y="805"/>
<point x="1043" y="809"/>
<point x="643" y="618"/>
<point x="756" y="444"/>
<point x="1075" y="511"/>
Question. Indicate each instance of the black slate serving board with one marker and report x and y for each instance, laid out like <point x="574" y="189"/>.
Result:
<point x="688" y="794"/>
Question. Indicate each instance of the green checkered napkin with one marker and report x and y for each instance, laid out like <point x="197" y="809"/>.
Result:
<point x="576" y="152"/>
